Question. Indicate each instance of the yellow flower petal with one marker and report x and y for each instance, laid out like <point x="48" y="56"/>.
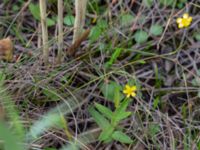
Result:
<point x="179" y="20"/>
<point x="190" y="19"/>
<point x="185" y="15"/>
<point x="127" y="86"/>
<point x="185" y="21"/>
<point x="133" y="94"/>
<point x="129" y="91"/>
<point x="94" y="20"/>
<point x="187" y="24"/>
<point x="180" y="25"/>
<point x="125" y="91"/>
<point x="133" y="88"/>
<point x="128" y="95"/>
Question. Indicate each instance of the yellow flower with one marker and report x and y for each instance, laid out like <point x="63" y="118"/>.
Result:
<point x="185" y="21"/>
<point x="130" y="91"/>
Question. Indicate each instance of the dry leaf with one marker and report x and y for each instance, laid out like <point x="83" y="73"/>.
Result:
<point x="6" y="49"/>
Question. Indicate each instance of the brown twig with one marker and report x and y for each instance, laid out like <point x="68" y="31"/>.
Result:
<point x="72" y="49"/>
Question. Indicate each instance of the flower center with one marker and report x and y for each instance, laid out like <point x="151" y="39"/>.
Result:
<point x="185" y="21"/>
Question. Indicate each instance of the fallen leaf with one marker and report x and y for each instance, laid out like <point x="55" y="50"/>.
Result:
<point x="6" y="49"/>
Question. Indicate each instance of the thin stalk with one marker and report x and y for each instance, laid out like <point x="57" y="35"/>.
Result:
<point x="43" y="15"/>
<point x="80" y="6"/>
<point x="60" y="30"/>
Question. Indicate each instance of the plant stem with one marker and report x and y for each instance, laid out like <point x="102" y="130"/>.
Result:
<point x="80" y="6"/>
<point x="43" y="15"/>
<point x="60" y="30"/>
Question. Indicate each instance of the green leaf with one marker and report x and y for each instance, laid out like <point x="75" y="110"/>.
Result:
<point x="106" y="134"/>
<point x="102" y="24"/>
<point x="148" y="3"/>
<point x="95" y="33"/>
<point x="121" y="137"/>
<point x="99" y="119"/>
<point x="10" y="108"/>
<point x="140" y="36"/>
<point x="120" y="113"/>
<point x="104" y="110"/>
<point x="127" y="19"/>
<point x="180" y="5"/>
<point x="109" y="89"/>
<point x="114" y="57"/>
<point x="35" y="10"/>
<point x="156" y="102"/>
<point x="15" y="8"/>
<point x="123" y="105"/>
<point x="10" y="140"/>
<point x="167" y="2"/>
<point x="196" y="81"/>
<point x="141" y="61"/>
<point x="197" y="36"/>
<point x="50" y="22"/>
<point x="69" y="20"/>
<point x="156" y="29"/>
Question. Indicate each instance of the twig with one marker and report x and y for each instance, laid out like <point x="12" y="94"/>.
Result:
<point x="72" y="50"/>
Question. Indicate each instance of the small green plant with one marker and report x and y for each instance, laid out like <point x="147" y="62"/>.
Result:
<point x="114" y="57"/>
<point x="98" y="30"/>
<point x="127" y="19"/>
<point x="156" y="29"/>
<point x="197" y="36"/>
<point x="181" y="3"/>
<point x="140" y="36"/>
<point x="69" y="20"/>
<point x="109" y="120"/>
<point x="9" y="134"/>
